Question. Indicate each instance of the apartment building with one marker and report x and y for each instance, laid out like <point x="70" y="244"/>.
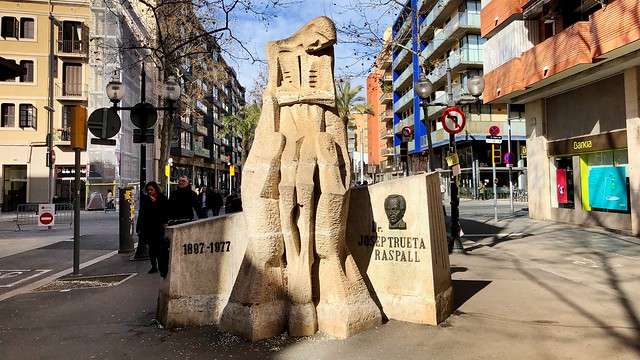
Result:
<point x="35" y="107"/>
<point x="575" y="66"/>
<point x="380" y="121"/>
<point x="442" y="39"/>
<point x="85" y="42"/>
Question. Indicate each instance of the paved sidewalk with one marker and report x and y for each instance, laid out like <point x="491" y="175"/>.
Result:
<point x="527" y="289"/>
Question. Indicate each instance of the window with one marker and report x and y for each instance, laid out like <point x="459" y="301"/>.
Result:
<point x="27" y="28"/>
<point x="27" y="116"/>
<point x="185" y="142"/>
<point x="10" y="27"/>
<point x="8" y="114"/>
<point x="28" y="77"/>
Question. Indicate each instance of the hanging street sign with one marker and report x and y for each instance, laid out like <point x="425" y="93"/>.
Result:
<point x="453" y="120"/>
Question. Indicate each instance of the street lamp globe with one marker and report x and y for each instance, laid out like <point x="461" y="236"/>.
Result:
<point x="171" y="89"/>
<point x="476" y="85"/>
<point x="115" y="90"/>
<point x="423" y="87"/>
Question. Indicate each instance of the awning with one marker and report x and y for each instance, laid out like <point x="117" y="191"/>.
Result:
<point x="9" y="69"/>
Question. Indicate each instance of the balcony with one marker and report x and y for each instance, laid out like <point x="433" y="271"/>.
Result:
<point x="62" y="135"/>
<point x="71" y="91"/>
<point x="386" y="115"/>
<point x="385" y="134"/>
<point x="404" y="55"/>
<point x="404" y="102"/>
<point x="503" y="81"/>
<point x="614" y="30"/>
<point x="386" y="98"/>
<point x="454" y="29"/>
<point x="496" y="13"/>
<point x="557" y="55"/>
<point x="202" y="152"/>
<point x="438" y="13"/>
<point x="386" y="152"/>
<point x="201" y="129"/>
<point x="201" y="106"/>
<point x="404" y="79"/>
<point x="73" y="48"/>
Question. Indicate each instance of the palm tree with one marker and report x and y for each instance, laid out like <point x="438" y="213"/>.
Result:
<point x="348" y="101"/>
<point x="242" y="123"/>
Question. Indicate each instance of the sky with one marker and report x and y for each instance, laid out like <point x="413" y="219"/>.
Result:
<point x="255" y="36"/>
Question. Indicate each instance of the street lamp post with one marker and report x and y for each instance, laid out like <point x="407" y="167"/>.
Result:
<point x="423" y="88"/>
<point x="143" y="116"/>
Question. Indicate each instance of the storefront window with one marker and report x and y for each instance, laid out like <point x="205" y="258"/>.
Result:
<point x="606" y="187"/>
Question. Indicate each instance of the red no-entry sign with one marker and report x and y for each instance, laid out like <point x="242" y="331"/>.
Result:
<point x="45" y="214"/>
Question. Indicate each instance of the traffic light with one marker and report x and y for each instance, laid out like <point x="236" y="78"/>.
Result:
<point x="496" y="153"/>
<point x="404" y="151"/>
<point x="79" y="128"/>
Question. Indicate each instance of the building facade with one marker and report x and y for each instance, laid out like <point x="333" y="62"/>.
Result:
<point x="575" y="66"/>
<point x="441" y="38"/>
<point x="35" y="107"/>
<point x="84" y="42"/>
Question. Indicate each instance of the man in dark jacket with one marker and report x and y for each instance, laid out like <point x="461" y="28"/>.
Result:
<point x="183" y="201"/>
<point x="232" y="203"/>
<point x="214" y="201"/>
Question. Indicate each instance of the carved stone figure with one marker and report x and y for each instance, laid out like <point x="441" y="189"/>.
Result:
<point x="297" y="273"/>
<point x="395" y="206"/>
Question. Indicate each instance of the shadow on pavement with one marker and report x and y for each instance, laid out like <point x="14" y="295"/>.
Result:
<point x="464" y="290"/>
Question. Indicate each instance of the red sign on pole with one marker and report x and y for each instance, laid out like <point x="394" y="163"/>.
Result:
<point x="494" y="130"/>
<point x="453" y="120"/>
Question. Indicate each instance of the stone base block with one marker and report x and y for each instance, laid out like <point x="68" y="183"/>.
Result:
<point x="348" y="316"/>
<point x="256" y="321"/>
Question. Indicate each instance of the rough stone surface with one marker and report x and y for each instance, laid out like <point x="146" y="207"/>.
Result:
<point x="284" y="264"/>
<point x="407" y="270"/>
<point x="295" y="194"/>
<point x="198" y="286"/>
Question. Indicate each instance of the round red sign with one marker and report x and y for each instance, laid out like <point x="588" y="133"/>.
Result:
<point x="494" y="130"/>
<point x="46" y="218"/>
<point x="453" y="120"/>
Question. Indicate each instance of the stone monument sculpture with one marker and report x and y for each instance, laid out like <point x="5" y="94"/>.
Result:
<point x="297" y="274"/>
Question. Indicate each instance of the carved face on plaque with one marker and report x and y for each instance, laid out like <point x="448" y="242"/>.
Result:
<point x="395" y="206"/>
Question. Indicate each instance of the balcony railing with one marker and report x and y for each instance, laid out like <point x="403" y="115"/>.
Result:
<point x="386" y="152"/>
<point x="385" y="98"/>
<point x="386" y="133"/>
<point x="401" y="81"/>
<point x="386" y="115"/>
<point x="76" y="47"/>
<point x="63" y="134"/>
<point x="404" y="100"/>
<point x="71" y="90"/>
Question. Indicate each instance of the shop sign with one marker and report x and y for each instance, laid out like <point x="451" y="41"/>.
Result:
<point x="68" y="172"/>
<point x="584" y="144"/>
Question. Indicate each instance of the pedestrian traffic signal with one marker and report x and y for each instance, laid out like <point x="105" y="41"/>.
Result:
<point x="404" y="151"/>
<point x="496" y="151"/>
<point x="78" y="128"/>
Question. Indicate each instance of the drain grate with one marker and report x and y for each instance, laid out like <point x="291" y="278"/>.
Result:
<point x="84" y="282"/>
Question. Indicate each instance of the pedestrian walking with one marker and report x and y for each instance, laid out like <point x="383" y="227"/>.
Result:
<point x="214" y="202"/>
<point x="232" y="203"/>
<point x="183" y="202"/>
<point x="110" y="200"/>
<point x="202" y="199"/>
<point x="152" y="220"/>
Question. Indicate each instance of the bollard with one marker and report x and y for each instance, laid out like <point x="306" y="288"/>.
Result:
<point x="126" y="223"/>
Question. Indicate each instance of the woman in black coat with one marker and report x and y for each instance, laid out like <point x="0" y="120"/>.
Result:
<point x="152" y="220"/>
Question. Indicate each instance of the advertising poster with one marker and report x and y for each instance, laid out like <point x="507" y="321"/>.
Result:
<point x="607" y="188"/>
<point x="561" y="186"/>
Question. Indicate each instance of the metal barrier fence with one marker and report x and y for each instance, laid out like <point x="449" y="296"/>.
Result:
<point x="27" y="214"/>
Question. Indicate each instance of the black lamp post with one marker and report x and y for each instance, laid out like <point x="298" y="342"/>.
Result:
<point x="143" y="114"/>
<point x="423" y="88"/>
